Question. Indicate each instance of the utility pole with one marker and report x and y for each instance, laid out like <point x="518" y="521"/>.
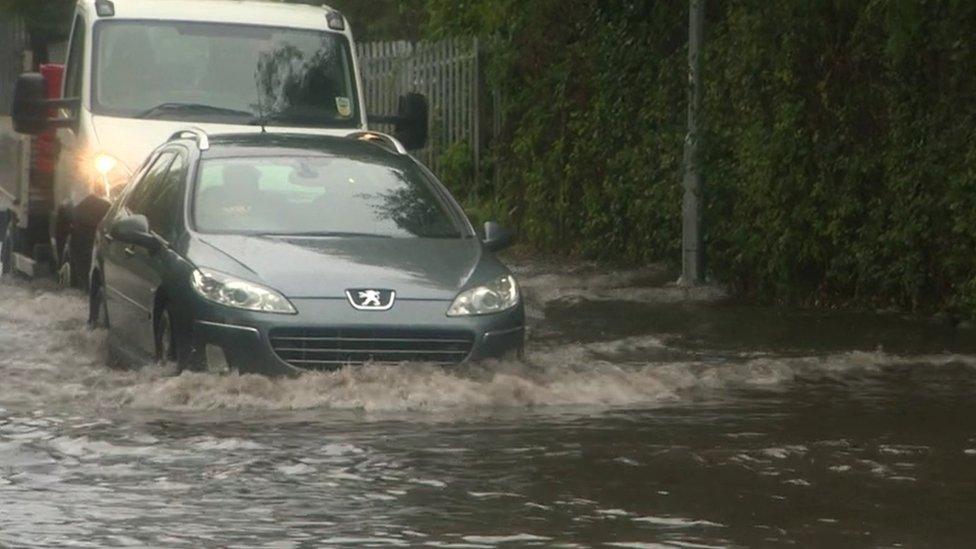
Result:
<point x="692" y="250"/>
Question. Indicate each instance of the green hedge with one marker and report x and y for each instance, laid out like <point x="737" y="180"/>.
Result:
<point x="840" y="149"/>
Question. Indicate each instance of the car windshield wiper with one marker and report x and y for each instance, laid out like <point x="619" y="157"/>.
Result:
<point x="195" y="108"/>
<point x="323" y="234"/>
<point x="442" y="235"/>
<point x="313" y="119"/>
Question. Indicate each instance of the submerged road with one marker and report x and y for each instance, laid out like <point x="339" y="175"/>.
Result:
<point x="642" y="416"/>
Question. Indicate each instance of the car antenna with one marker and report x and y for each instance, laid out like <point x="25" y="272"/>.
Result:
<point x="262" y="119"/>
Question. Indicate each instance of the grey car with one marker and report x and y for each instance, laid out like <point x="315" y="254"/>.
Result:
<point x="277" y="254"/>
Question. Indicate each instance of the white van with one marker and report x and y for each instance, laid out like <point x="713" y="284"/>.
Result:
<point x="139" y="70"/>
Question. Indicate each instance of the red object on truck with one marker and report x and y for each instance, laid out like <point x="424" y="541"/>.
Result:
<point x="44" y="144"/>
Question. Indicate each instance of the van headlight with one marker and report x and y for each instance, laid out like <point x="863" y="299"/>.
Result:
<point x="239" y="294"/>
<point x="496" y="296"/>
<point x="109" y="175"/>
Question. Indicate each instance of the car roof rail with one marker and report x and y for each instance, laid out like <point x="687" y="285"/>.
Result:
<point x="203" y="140"/>
<point x="388" y="142"/>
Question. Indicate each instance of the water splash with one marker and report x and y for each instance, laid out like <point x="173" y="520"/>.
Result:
<point x="65" y="368"/>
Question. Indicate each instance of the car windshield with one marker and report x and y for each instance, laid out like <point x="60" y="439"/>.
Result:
<point x="223" y="73"/>
<point x="319" y="196"/>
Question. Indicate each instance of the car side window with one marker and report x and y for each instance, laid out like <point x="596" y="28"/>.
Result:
<point x="166" y="198"/>
<point x="138" y="200"/>
<point x="76" y="60"/>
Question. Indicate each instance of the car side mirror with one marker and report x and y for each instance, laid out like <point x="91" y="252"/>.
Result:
<point x="134" y="229"/>
<point x="496" y="237"/>
<point x="29" y="112"/>
<point x="411" y="126"/>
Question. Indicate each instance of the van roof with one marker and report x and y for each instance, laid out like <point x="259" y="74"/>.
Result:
<point x="246" y="12"/>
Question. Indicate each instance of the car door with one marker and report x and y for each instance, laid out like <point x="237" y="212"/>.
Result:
<point x="162" y="207"/>
<point x="127" y="310"/>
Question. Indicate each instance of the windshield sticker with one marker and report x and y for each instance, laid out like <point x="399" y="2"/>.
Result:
<point x="344" y="106"/>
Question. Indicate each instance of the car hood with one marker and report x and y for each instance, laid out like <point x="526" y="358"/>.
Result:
<point x="415" y="268"/>
<point x="132" y="139"/>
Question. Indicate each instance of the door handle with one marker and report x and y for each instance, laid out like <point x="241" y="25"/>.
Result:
<point x="129" y="251"/>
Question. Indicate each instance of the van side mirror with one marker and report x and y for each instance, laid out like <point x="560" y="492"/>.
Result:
<point x="134" y="229"/>
<point x="31" y="107"/>
<point x="412" y="124"/>
<point x="496" y="237"/>
<point x="28" y="111"/>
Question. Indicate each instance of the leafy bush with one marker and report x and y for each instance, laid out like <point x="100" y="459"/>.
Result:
<point x="840" y="157"/>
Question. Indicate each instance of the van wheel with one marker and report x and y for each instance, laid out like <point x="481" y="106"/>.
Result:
<point x="112" y="358"/>
<point x="67" y="277"/>
<point x="167" y="352"/>
<point x="7" y="250"/>
<point x="98" y="306"/>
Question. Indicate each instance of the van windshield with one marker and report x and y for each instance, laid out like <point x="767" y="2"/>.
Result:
<point x="235" y="74"/>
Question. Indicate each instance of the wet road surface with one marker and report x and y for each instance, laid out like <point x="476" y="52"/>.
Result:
<point x="642" y="416"/>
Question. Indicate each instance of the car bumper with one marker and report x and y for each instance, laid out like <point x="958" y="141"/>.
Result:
<point x="252" y="342"/>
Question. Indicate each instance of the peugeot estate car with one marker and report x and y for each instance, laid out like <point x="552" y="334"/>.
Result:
<point x="274" y="253"/>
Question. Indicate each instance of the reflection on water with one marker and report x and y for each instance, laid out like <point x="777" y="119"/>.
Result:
<point x="648" y="421"/>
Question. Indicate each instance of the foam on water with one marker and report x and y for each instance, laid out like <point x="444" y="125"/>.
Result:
<point x="586" y="281"/>
<point x="515" y="538"/>
<point x="555" y="377"/>
<point x="48" y="356"/>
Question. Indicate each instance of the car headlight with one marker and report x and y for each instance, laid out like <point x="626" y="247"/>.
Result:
<point x="496" y="296"/>
<point x="239" y="294"/>
<point x="109" y="175"/>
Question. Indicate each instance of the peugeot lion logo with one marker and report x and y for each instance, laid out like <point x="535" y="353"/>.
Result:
<point x="371" y="300"/>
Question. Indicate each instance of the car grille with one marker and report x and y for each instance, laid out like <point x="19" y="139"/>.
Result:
<point x="326" y="348"/>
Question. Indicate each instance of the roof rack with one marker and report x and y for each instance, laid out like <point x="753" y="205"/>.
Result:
<point x="203" y="140"/>
<point x="388" y="142"/>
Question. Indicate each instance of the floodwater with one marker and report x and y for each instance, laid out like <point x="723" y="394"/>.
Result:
<point x="642" y="416"/>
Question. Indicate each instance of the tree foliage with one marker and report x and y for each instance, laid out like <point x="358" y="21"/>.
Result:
<point x="840" y="138"/>
<point x="380" y="19"/>
<point x="47" y="20"/>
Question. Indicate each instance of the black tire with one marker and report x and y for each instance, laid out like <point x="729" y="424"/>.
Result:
<point x="167" y="351"/>
<point x="67" y="277"/>
<point x="81" y="261"/>
<point x="112" y="358"/>
<point x="98" y="306"/>
<point x="7" y="251"/>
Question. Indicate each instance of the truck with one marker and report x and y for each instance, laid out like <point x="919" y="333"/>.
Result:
<point x="136" y="72"/>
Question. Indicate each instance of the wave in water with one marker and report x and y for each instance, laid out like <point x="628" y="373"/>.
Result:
<point x="65" y="368"/>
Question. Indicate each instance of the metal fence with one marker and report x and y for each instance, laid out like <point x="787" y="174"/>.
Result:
<point x="448" y="72"/>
